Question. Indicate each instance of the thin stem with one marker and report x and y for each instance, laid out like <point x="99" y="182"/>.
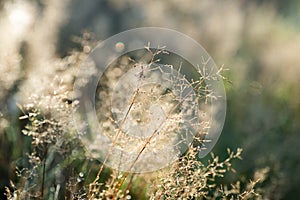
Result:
<point x="44" y="172"/>
<point x="115" y="140"/>
<point x="134" y="162"/>
<point x="116" y="190"/>
<point x="130" y="183"/>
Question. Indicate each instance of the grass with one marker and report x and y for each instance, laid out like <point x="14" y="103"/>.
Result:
<point x="54" y="172"/>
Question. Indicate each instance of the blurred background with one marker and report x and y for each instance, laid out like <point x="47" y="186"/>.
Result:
<point x="259" y="41"/>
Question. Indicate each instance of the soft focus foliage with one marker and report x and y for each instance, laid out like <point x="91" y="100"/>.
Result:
<point x="43" y="42"/>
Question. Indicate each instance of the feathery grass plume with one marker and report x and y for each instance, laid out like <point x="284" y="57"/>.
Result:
<point x="150" y="112"/>
<point x="189" y="178"/>
<point x="53" y="141"/>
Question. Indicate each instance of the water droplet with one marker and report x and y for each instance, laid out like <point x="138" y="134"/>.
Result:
<point x="81" y="174"/>
<point x="79" y="179"/>
<point x="119" y="46"/>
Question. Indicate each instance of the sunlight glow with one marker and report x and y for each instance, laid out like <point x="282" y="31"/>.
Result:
<point x="20" y="17"/>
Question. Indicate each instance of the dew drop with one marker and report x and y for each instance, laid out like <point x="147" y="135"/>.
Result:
<point x="119" y="47"/>
<point x="81" y="174"/>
